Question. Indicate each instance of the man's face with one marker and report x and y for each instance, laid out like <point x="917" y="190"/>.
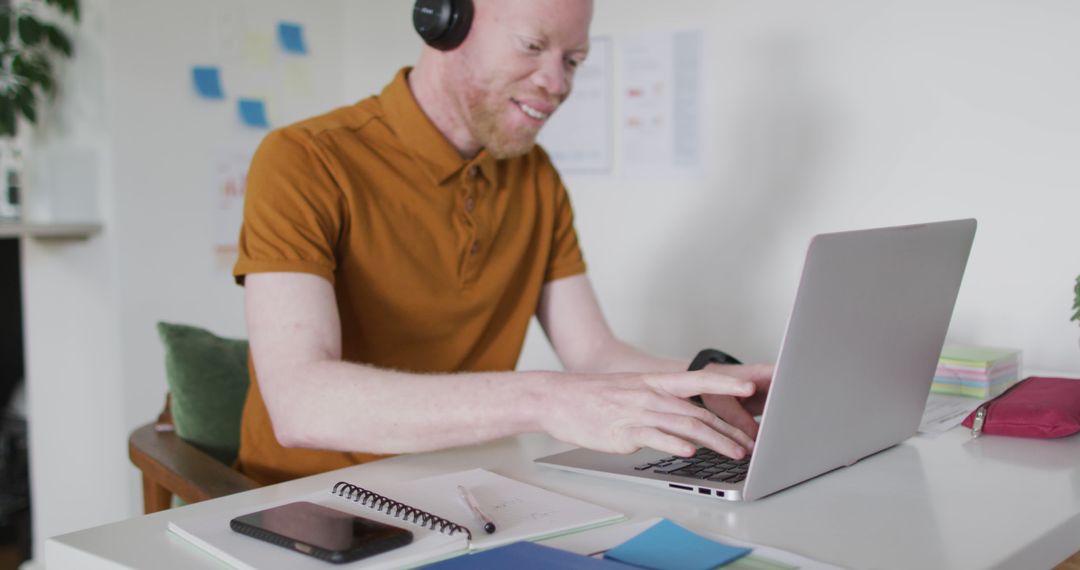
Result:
<point x="517" y="67"/>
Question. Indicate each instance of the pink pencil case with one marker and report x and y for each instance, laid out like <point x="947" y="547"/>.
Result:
<point x="1036" y="407"/>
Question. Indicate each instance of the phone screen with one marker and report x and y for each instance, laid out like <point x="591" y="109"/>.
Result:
<point x="322" y="532"/>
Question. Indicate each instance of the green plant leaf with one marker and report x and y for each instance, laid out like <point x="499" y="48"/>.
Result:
<point x="57" y="39"/>
<point x="5" y="26"/>
<point x="22" y="67"/>
<point x="34" y="69"/>
<point x="45" y="74"/>
<point x="61" y="5"/>
<point x="22" y="95"/>
<point x="27" y="46"/>
<point x="1076" y="303"/>
<point x="7" y="116"/>
<point x="18" y="64"/>
<point x="25" y="102"/>
<point x="29" y="110"/>
<point x="29" y="30"/>
<point x="69" y="7"/>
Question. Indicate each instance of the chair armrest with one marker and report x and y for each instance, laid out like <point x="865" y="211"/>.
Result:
<point x="182" y="469"/>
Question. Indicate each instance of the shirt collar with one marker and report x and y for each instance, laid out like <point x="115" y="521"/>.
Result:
<point x="422" y="140"/>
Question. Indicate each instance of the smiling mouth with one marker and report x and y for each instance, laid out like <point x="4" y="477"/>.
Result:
<point x="531" y="112"/>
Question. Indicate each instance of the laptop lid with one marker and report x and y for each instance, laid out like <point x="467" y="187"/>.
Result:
<point x="861" y="347"/>
<point x="855" y="365"/>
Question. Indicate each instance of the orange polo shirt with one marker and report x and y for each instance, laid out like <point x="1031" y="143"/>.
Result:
<point x="437" y="261"/>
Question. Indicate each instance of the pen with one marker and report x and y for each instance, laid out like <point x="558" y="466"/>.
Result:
<point x="470" y="501"/>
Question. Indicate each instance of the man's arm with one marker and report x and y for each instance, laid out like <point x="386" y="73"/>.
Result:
<point x="571" y="317"/>
<point x="576" y="328"/>
<point x="316" y="400"/>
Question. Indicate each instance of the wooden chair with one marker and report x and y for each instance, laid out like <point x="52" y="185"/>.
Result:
<point x="171" y="466"/>
<point x="188" y="452"/>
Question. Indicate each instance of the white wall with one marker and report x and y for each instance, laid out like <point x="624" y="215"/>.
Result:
<point x="75" y="391"/>
<point x="128" y="129"/>
<point x="823" y="116"/>
<point x="820" y="116"/>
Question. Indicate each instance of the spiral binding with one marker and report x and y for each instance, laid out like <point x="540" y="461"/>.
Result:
<point x="398" y="510"/>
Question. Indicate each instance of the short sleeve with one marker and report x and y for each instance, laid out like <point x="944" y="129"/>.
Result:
<point x="566" y="258"/>
<point x="293" y="209"/>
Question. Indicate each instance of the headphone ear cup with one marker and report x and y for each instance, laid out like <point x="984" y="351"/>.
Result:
<point x="443" y="24"/>
<point x="460" y="22"/>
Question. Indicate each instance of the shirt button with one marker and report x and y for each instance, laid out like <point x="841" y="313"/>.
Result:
<point x="474" y="171"/>
<point x="475" y="248"/>
<point x="470" y="204"/>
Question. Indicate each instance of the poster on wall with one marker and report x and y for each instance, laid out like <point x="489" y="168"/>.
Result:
<point x="660" y="100"/>
<point x="230" y="183"/>
<point x="578" y="136"/>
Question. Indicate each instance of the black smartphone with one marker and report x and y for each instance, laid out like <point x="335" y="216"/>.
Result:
<point x="325" y="533"/>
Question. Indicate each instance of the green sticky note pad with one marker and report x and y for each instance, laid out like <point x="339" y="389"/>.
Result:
<point x="977" y="354"/>
<point x="668" y="546"/>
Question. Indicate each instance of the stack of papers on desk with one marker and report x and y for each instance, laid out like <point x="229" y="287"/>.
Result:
<point x="976" y="372"/>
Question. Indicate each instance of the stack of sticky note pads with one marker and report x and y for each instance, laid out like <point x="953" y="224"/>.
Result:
<point x="976" y="372"/>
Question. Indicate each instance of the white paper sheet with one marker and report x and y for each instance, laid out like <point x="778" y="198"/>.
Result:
<point x="660" y="99"/>
<point x="578" y="136"/>
<point x="230" y="183"/>
<point x="945" y="412"/>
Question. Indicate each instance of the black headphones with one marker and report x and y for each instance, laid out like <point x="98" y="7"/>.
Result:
<point x="443" y="23"/>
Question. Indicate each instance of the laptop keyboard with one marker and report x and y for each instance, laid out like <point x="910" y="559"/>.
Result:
<point x="705" y="464"/>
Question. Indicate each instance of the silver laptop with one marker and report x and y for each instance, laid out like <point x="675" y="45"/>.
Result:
<point x="853" y="373"/>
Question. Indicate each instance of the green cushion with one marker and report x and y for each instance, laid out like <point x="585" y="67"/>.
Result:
<point x="208" y="379"/>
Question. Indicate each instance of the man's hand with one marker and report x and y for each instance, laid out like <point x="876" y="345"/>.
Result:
<point x="740" y="411"/>
<point x="624" y="412"/>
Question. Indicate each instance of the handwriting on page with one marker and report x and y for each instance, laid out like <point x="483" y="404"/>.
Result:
<point x="516" y="509"/>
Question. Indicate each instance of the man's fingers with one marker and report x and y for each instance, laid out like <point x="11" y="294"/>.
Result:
<point x="760" y="374"/>
<point x="687" y="384"/>
<point x="760" y="371"/>
<point x="743" y="429"/>
<point x="643" y="436"/>
<point x="713" y="433"/>
<point x="732" y="411"/>
<point x="733" y="432"/>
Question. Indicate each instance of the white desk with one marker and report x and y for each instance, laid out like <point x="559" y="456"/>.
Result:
<point x="949" y="502"/>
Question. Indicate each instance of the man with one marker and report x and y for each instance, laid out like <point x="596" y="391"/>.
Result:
<point x="394" y="251"/>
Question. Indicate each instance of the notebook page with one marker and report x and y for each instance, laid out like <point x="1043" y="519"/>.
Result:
<point x="520" y="511"/>
<point x="212" y="534"/>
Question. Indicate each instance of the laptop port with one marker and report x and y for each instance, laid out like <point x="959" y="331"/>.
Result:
<point x="719" y="493"/>
<point x="683" y="487"/>
<point x="704" y="491"/>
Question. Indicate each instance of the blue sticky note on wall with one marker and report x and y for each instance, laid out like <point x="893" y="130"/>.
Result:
<point x="253" y="113"/>
<point x="208" y="82"/>
<point x="668" y="546"/>
<point x="291" y="37"/>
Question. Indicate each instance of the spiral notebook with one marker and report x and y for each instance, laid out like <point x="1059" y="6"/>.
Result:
<point x="441" y="524"/>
